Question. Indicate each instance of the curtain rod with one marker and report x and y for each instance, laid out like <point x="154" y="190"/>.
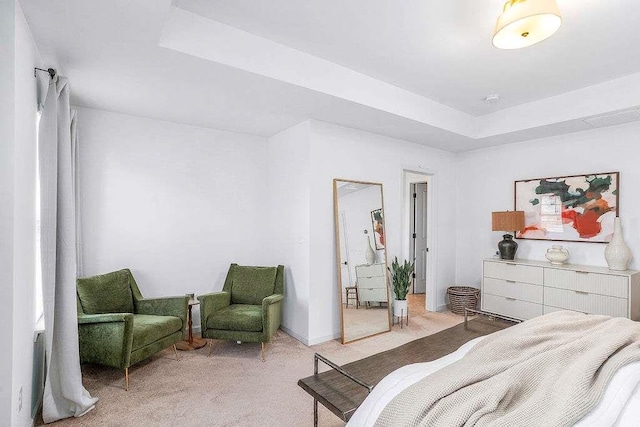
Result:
<point x="51" y="71"/>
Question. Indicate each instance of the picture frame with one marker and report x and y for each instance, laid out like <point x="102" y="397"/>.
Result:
<point x="377" y="221"/>
<point x="574" y="208"/>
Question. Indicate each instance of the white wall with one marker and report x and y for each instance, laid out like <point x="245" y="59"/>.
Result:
<point x="339" y="152"/>
<point x="175" y="203"/>
<point x="27" y="57"/>
<point x="286" y="237"/>
<point x="7" y="160"/>
<point x="17" y="213"/>
<point x="178" y="203"/>
<point x="485" y="184"/>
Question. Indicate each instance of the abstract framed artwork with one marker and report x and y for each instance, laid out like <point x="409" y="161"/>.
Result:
<point x="377" y="221"/>
<point x="579" y="208"/>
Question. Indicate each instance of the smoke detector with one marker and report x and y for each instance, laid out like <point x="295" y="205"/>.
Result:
<point x="492" y="98"/>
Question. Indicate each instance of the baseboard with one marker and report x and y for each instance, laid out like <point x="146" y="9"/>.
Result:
<point x="442" y="308"/>
<point x="325" y="338"/>
<point x="300" y="338"/>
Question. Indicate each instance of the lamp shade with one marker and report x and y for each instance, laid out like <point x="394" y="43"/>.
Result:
<point x="526" y="22"/>
<point x="507" y="221"/>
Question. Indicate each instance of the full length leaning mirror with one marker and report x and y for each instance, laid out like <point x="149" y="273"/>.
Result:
<point x="362" y="259"/>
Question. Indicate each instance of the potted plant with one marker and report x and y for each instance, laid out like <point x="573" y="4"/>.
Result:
<point x="401" y="278"/>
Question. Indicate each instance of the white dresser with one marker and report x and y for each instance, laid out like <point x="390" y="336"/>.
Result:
<point x="372" y="283"/>
<point x="524" y="289"/>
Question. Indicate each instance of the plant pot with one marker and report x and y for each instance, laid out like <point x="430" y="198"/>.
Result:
<point x="399" y="307"/>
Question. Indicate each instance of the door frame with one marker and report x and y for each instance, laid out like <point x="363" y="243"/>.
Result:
<point x="412" y="175"/>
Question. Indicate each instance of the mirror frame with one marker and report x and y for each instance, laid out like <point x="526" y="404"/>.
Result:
<point x="336" y="221"/>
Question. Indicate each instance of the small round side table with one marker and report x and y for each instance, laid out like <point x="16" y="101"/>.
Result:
<point x="192" y="343"/>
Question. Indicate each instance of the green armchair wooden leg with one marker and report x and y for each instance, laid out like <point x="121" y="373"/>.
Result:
<point x="210" y="347"/>
<point x="126" y="370"/>
<point x="262" y="351"/>
<point x="175" y="350"/>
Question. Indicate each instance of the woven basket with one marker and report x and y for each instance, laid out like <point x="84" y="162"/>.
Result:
<point x="461" y="297"/>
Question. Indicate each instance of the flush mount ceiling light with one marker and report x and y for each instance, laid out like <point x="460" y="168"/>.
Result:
<point x="526" y="22"/>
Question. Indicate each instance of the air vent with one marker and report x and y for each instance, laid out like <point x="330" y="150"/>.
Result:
<point x="614" y="119"/>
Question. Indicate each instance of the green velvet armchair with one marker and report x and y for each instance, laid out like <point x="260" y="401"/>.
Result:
<point x="117" y="327"/>
<point x="249" y="308"/>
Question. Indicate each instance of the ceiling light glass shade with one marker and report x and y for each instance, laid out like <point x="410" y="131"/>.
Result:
<point x="526" y="22"/>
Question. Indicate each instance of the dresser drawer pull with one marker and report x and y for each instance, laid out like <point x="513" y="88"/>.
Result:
<point x="510" y="263"/>
<point x="582" y="272"/>
<point x="509" y="299"/>
<point x="581" y="292"/>
<point x="510" y="281"/>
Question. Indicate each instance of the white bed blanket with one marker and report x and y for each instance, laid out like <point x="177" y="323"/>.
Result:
<point x="620" y="404"/>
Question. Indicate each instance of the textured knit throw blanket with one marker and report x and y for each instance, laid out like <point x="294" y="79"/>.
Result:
<point x="547" y="371"/>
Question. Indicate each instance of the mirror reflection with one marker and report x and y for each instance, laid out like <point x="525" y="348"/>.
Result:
<point x="362" y="258"/>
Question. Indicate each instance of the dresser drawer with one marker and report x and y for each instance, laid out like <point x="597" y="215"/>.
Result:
<point x="514" y="272"/>
<point x="585" y="302"/>
<point x="517" y="290"/>
<point x="515" y="308"/>
<point x="593" y="283"/>
<point x="371" y="282"/>
<point x="372" y="270"/>
<point x="372" y="294"/>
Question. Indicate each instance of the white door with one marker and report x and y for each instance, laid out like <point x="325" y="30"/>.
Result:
<point x="419" y="236"/>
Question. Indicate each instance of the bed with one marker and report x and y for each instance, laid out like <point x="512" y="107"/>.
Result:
<point x="336" y="389"/>
<point x="551" y="374"/>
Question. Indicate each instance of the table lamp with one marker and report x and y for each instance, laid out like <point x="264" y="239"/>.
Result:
<point x="507" y="221"/>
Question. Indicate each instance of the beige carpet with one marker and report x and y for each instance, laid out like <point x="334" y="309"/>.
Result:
<point x="232" y="387"/>
<point x="362" y="322"/>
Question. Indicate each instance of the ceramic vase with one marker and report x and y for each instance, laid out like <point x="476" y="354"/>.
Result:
<point x="369" y="253"/>
<point x="557" y="255"/>
<point x="400" y="307"/>
<point x="617" y="253"/>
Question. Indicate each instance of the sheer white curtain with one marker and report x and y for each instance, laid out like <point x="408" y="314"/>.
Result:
<point x="64" y="395"/>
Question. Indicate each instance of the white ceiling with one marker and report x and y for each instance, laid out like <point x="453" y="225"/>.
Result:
<point x="415" y="70"/>
<point x="442" y="49"/>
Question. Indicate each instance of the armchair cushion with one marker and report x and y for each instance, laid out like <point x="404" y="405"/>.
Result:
<point x="107" y="293"/>
<point x="148" y="329"/>
<point x="237" y="317"/>
<point x="252" y="284"/>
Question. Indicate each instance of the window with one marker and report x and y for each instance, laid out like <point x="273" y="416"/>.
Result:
<point x="39" y="307"/>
